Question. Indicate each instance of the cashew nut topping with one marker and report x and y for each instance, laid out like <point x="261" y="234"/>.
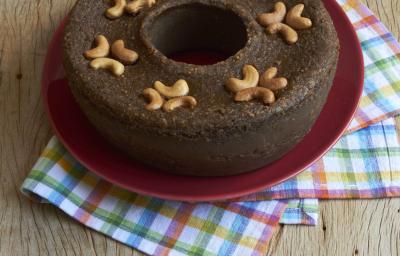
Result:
<point x="154" y="98"/>
<point x="116" y="67"/>
<point x="269" y="81"/>
<point x="264" y="94"/>
<point x="183" y="101"/>
<point x="294" y="19"/>
<point x="124" y="55"/>
<point x="278" y="15"/>
<point x="102" y="49"/>
<point x="137" y="5"/>
<point x="180" y="88"/>
<point x="250" y="79"/>
<point x="288" y="33"/>
<point x="117" y="10"/>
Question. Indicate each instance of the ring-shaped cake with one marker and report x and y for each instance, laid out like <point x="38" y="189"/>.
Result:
<point x="220" y="134"/>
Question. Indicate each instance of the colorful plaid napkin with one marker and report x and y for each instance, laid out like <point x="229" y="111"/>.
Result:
<point x="363" y="164"/>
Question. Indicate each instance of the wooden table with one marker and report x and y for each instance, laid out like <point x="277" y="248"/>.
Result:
<point x="350" y="227"/>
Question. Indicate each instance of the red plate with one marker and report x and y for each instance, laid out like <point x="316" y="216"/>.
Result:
<point x="87" y="146"/>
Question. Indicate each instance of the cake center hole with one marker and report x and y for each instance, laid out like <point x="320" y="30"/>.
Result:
<point x="198" y="34"/>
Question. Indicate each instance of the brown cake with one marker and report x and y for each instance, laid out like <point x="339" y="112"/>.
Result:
<point x="224" y="131"/>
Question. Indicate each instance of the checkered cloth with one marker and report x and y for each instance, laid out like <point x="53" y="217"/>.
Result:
<point x="363" y="164"/>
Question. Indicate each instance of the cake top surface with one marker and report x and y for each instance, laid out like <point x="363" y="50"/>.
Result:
<point x="178" y="25"/>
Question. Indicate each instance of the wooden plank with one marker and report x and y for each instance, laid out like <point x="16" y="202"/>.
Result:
<point x="368" y="227"/>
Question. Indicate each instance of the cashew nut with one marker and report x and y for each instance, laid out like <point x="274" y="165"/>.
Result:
<point x="102" y="49"/>
<point x="116" y="67"/>
<point x="183" y="101"/>
<point x="154" y="98"/>
<point x="117" y="10"/>
<point x="264" y="94"/>
<point x="278" y="15"/>
<point x="250" y="79"/>
<point x="124" y="55"/>
<point x="180" y="88"/>
<point x="288" y="33"/>
<point x="269" y="81"/>
<point x="137" y="5"/>
<point x="294" y="19"/>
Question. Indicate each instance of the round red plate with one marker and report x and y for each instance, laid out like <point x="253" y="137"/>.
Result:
<point x="87" y="146"/>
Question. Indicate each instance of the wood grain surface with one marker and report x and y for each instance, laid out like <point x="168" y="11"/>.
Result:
<point x="348" y="227"/>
